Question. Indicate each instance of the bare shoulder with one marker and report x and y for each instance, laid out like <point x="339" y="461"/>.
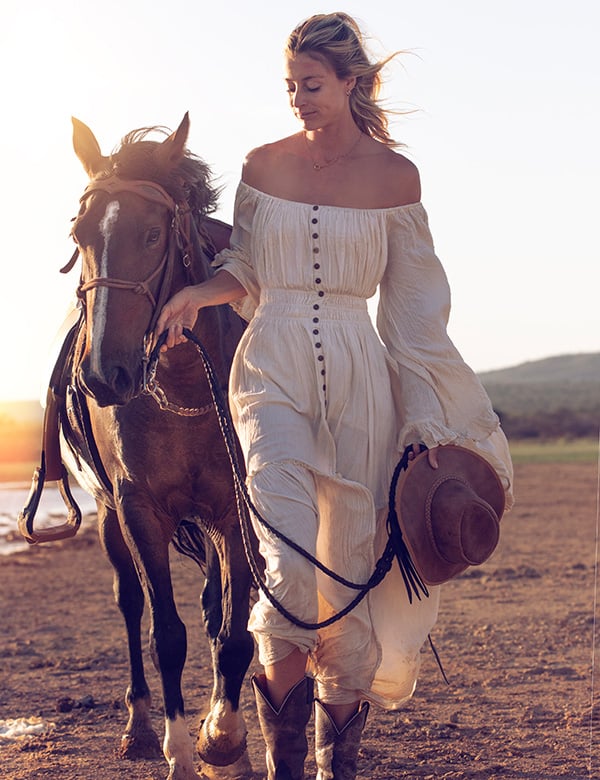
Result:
<point x="401" y="166"/>
<point x="263" y="161"/>
<point x="399" y="177"/>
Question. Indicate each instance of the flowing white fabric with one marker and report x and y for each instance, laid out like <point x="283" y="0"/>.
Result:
<point x="313" y="386"/>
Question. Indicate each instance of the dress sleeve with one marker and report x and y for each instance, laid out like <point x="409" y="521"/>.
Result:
<point x="439" y="399"/>
<point x="237" y="260"/>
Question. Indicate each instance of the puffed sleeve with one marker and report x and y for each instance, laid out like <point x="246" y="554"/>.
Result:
<point x="439" y="399"/>
<point x="237" y="260"/>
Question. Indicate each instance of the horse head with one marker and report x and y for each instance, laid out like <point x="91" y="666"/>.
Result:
<point x="137" y="235"/>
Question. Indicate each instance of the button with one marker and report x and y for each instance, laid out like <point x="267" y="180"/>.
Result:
<point x="316" y="306"/>
<point x="323" y="372"/>
<point x="318" y="345"/>
<point x="316" y="250"/>
<point x="321" y="293"/>
<point x="316" y="332"/>
<point x="314" y="220"/>
<point x="316" y="266"/>
<point x="315" y="208"/>
<point x="318" y="280"/>
<point x="324" y="388"/>
<point x="315" y="235"/>
<point x="315" y="319"/>
<point x="321" y="358"/>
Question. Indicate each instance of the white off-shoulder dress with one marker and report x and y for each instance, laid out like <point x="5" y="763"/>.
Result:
<point x="324" y="403"/>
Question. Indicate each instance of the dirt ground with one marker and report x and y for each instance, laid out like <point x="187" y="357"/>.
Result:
<point x="515" y="637"/>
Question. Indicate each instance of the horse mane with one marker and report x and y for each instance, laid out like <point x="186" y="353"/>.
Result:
<point x="136" y="157"/>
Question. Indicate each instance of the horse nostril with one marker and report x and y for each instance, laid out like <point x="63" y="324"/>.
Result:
<point x="120" y="381"/>
<point x="109" y="387"/>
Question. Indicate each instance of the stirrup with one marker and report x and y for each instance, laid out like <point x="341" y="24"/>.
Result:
<point x="26" y="516"/>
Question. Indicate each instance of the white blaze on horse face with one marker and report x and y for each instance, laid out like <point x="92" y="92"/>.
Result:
<point x="106" y="227"/>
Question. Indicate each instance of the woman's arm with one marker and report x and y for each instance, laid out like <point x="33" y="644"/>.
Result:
<point x="181" y="311"/>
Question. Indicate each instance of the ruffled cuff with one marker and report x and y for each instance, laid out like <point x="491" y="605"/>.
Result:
<point x="429" y="432"/>
<point x="493" y="447"/>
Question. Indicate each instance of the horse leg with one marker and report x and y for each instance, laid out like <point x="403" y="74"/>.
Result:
<point x="139" y="740"/>
<point x="225" y="599"/>
<point x="149" y="545"/>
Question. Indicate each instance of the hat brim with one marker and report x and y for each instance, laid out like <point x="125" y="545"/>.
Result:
<point x="412" y="493"/>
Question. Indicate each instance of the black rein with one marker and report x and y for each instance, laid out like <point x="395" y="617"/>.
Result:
<point x="395" y="548"/>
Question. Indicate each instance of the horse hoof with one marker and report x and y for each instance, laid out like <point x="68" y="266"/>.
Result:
<point x="239" y="770"/>
<point x="141" y="745"/>
<point x="219" y="754"/>
<point x="221" y="751"/>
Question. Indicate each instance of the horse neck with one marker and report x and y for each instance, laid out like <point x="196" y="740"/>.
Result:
<point x="202" y="250"/>
<point x="209" y="327"/>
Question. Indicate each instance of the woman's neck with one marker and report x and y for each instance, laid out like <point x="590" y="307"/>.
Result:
<point x="327" y="146"/>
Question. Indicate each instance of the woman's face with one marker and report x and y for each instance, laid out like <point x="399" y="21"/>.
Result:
<point x="317" y="97"/>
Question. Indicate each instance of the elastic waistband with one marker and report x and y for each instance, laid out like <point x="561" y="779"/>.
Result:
<point x="308" y="304"/>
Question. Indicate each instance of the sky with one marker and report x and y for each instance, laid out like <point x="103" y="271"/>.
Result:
<point x="504" y="125"/>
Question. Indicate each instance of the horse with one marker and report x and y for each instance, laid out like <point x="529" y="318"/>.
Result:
<point x="150" y="447"/>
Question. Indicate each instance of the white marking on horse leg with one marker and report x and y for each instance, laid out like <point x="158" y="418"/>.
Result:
<point x="139" y="740"/>
<point x="179" y="750"/>
<point x="222" y="742"/>
<point x="98" y="319"/>
<point x="224" y="725"/>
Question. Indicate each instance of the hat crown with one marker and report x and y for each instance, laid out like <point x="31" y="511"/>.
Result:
<point x="462" y="526"/>
<point x="450" y="515"/>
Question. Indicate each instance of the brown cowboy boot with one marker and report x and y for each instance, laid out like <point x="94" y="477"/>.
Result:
<point x="284" y="730"/>
<point x="336" y="751"/>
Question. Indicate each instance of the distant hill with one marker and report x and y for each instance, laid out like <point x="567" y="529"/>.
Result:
<point x="20" y="431"/>
<point x="21" y="411"/>
<point x="557" y="396"/>
<point x="583" y="367"/>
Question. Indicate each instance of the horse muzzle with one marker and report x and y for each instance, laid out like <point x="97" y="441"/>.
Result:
<point x="112" y="385"/>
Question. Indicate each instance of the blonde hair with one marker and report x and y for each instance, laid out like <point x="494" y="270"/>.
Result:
<point x="337" y="40"/>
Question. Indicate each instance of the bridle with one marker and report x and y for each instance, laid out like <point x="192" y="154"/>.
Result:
<point x="179" y="242"/>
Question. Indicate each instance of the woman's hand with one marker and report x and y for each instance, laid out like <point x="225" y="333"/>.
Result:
<point x="178" y="313"/>
<point x="432" y="455"/>
<point x="182" y="310"/>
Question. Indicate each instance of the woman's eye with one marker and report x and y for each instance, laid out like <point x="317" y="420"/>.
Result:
<point x="313" y="89"/>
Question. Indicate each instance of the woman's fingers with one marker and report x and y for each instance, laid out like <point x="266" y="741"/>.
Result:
<point x="432" y="454"/>
<point x="432" y="457"/>
<point x="173" y="319"/>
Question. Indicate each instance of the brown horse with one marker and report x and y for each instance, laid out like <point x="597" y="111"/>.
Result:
<point x="152" y="452"/>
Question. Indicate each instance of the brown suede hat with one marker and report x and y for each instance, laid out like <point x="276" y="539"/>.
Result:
<point x="449" y="516"/>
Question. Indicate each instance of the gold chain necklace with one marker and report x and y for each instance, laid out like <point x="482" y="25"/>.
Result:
<point x="318" y="166"/>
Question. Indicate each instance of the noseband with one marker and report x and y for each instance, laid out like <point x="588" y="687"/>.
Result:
<point x="179" y="241"/>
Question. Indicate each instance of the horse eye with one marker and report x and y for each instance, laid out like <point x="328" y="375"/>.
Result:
<point x="153" y="235"/>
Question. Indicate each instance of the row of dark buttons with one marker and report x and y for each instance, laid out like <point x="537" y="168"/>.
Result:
<point x="320" y="293"/>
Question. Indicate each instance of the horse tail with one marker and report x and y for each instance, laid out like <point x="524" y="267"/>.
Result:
<point x="189" y="540"/>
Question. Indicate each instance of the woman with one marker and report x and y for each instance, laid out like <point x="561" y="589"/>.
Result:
<point x="321" y="407"/>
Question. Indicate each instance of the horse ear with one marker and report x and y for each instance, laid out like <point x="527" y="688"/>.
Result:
<point x="173" y="147"/>
<point x="87" y="149"/>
